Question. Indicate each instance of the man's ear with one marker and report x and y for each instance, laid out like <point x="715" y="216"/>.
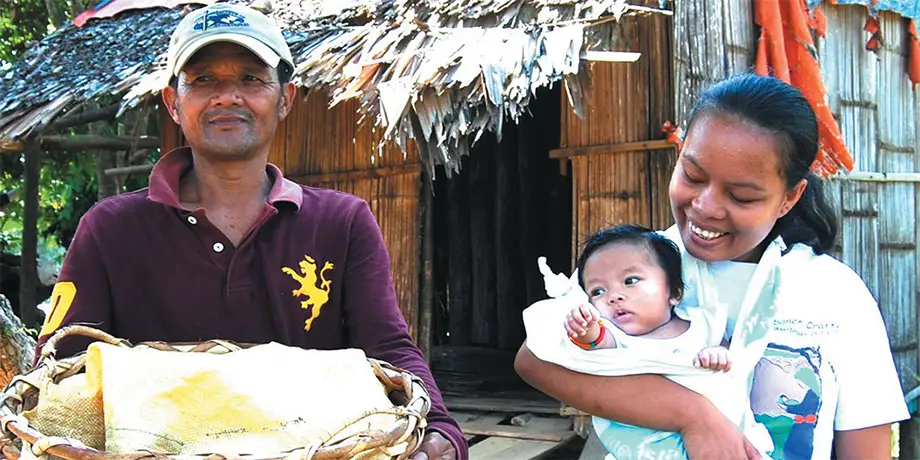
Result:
<point x="288" y="91"/>
<point x="169" y="100"/>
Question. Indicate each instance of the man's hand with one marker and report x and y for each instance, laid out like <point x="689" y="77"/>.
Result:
<point x="713" y="358"/>
<point x="435" y="447"/>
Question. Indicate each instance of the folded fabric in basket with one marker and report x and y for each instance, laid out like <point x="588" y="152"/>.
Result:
<point x="263" y="400"/>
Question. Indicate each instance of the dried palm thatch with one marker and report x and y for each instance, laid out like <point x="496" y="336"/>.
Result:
<point x="440" y="72"/>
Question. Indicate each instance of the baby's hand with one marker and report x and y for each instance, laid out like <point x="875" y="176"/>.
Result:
<point x="713" y="358"/>
<point x="581" y="323"/>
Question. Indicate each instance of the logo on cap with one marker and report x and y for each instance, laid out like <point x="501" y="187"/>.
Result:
<point x="220" y="18"/>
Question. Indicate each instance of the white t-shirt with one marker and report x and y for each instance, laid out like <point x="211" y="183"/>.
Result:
<point x="828" y="365"/>
<point x="732" y="280"/>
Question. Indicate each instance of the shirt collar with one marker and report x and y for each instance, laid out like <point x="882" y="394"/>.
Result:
<point x="164" y="181"/>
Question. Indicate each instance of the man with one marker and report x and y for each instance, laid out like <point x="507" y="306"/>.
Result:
<point x="221" y="245"/>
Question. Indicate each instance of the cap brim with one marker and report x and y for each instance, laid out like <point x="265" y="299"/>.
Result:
<point x="260" y="49"/>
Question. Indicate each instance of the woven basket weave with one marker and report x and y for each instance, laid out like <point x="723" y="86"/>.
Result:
<point x="407" y="392"/>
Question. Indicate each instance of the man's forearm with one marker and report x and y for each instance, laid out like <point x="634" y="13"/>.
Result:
<point x="649" y="401"/>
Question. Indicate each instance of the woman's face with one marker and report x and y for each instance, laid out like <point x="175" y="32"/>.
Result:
<point x="727" y="190"/>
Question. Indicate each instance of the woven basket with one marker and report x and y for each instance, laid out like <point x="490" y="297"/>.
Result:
<point x="407" y="392"/>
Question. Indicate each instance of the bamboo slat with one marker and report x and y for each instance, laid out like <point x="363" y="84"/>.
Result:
<point x="656" y="46"/>
<point x="660" y="166"/>
<point x="859" y="226"/>
<point x="610" y="189"/>
<point x="617" y="99"/>
<point x="712" y="40"/>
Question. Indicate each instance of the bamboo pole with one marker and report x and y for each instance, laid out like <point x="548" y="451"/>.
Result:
<point x="90" y="142"/>
<point x="88" y="116"/>
<point x="125" y="170"/>
<point x="863" y="176"/>
<point x="427" y="291"/>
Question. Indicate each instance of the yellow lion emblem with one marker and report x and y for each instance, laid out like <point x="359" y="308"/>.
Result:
<point x="317" y="296"/>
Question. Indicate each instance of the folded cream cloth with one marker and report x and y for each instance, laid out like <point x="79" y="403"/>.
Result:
<point x="264" y="400"/>
<point x="729" y="391"/>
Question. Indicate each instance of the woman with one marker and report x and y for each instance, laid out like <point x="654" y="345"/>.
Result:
<point x="742" y="184"/>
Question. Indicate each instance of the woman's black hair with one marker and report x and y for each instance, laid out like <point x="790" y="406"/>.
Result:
<point x="665" y="252"/>
<point x="780" y="108"/>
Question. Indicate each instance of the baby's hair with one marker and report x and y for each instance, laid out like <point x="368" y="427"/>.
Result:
<point x="665" y="252"/>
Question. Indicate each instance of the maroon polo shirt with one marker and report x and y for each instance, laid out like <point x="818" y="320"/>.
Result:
<point x="143" y="268"/>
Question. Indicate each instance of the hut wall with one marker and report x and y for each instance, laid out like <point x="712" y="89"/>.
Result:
<point x="879" y="116"/>
<point x="333" y="148"/>
<point x="620" y="164"/>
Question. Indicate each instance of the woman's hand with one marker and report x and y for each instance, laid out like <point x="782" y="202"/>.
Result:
<point x="435" y="446"/>
<point x="712" y="436"/>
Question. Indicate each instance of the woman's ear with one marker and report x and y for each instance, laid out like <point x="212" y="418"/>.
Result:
<point x="792" y="197"/>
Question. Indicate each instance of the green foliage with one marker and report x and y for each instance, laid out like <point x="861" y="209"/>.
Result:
<point x="67" y="189"/>
<point x="23" y="22"/>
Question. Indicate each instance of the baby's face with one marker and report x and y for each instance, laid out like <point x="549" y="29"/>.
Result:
<point x="625" y="283"/>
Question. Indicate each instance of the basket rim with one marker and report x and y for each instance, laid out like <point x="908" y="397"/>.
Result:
<point x="408" y="429"/>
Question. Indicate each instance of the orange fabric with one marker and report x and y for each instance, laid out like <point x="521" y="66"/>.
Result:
<point x="786" y="50"/>
<point x="913" y="53"/>
<point x="873" y="28"/>
<point x="673" y="134"/>
<point x="818" y="22"/>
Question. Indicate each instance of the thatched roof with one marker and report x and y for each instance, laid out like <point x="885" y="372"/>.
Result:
<point x="440" y="71"/>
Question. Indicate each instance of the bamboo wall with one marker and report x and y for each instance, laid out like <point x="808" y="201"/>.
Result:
<point x="713" y="39"/>
<point x="620" y="165"/>
<point x="331" y="148"/>
<point x="879" y="116"/>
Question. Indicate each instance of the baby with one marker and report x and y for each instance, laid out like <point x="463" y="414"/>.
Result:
<point x="633" y="279"/>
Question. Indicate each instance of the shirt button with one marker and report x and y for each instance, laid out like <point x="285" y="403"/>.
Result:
<point x="192" y="220"/>
<point x="218" y="247"/>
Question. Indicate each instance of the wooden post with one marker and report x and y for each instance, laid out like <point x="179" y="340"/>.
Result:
<point x="508" y="267"/>
<point x="106" y="185"/>
<point x="459" y="259"/>
<point x="427" y="294"/>
<point x="482" y="236"/>
<point x="28" y="284"/>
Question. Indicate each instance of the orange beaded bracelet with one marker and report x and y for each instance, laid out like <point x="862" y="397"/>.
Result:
<point x="598" y="340"/>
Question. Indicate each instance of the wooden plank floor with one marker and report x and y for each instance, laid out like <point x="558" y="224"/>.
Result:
<point x="506" y="436"/>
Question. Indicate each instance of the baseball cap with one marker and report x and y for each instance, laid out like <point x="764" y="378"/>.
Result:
<point x="224" y="22"/>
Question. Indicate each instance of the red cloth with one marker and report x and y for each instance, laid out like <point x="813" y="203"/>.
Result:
<point x="786" y="50"/>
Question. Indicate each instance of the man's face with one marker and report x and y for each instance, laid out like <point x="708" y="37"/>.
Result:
<point x="228" y="102"/>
